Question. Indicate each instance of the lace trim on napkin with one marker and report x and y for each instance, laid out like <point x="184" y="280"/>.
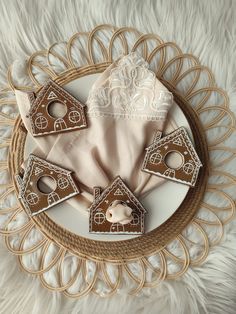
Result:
<point x="131" y="91"/>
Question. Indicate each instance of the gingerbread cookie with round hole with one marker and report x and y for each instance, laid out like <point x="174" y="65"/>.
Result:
<point x="54" y="110"/>
<point x="116" y="210"/>
<point x="42" y="185"/>
<point x="173" y="157"/>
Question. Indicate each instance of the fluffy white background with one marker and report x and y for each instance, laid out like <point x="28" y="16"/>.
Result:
<point x="206" y="29"/>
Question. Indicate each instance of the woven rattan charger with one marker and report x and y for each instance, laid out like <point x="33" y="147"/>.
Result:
<point x="121" y="253"/>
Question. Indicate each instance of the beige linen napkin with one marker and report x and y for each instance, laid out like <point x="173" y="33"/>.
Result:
<point x="125" y="107"/>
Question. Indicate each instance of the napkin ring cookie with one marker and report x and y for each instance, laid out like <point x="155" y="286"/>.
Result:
<point x="116" y="210"/>
<point x="155" y="161"/>
<point x="43" y="122"/>
<point x="61" y="185"/>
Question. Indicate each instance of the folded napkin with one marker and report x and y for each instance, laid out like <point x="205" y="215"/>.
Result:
<point x="125" y="107"/>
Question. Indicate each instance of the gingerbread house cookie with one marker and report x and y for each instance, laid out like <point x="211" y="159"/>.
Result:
<point x="41" y="119"/>
<point x="177" y="142"/>
<point x="61" y="185"/>
<point x="116" y="210"/>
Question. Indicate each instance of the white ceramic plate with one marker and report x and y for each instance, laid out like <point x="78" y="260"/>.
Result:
<point x="161" y="203"/>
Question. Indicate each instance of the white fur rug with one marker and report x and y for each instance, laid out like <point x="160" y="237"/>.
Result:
<point x="205" y="28"/>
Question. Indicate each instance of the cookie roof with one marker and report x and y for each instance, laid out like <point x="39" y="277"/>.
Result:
<point x="180" y="132"/>
<point x="51" y="85"/>
<point x="33" y="161"/>
<point x="118" y="182"/>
